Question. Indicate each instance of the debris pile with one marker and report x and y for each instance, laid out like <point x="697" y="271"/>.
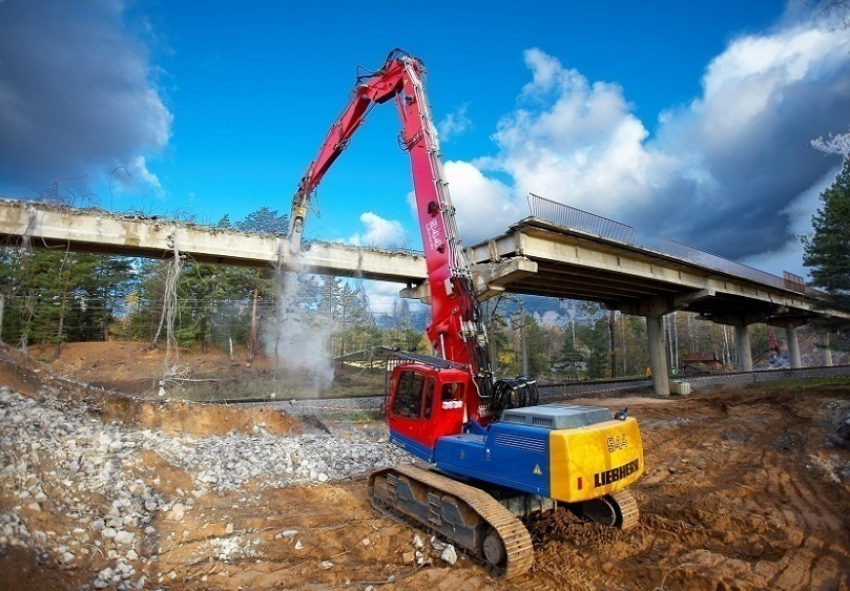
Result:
<point x="60" y="459"/>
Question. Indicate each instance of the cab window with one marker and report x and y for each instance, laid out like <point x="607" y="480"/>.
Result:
<point x="408" y="397"/>
<point x="430" y="386"/>
<point x="452" y="391"/>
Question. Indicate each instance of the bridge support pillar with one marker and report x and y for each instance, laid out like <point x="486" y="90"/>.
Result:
<point x="742" y="343"/>
<point x="793" y="346"/>
<point x="823" y="341"/>
<point x="657" y="355"/>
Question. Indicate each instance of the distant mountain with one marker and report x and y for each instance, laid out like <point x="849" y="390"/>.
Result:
<point x="546" y="311"/>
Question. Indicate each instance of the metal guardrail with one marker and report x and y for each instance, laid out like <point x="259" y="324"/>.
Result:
<point x="718" y="263"/>
<point x="772" y="375"/>
<point x="564" y="215"/>
<point x="796" y="283"/>
<point x="569" y="389"/>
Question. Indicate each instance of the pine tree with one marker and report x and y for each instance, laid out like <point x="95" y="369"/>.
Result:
<point x="57" y="296"/>
<point x="595" y="337"/>
<point x="536" y="348"/>
<point x="570" y="357"/>
<point x="263" y="220"/>
<point x="827" y="253"/>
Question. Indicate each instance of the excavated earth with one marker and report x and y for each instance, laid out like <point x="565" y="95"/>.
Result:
<point x="745" y="488"/>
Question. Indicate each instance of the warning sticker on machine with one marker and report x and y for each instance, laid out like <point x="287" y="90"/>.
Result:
<point x="615" y="474"/>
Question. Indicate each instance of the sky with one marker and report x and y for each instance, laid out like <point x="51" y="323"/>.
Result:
<point x="686" y="120"/>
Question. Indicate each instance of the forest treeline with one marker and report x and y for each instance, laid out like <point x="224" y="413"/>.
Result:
<point x="53" y="297"/>
<point x="56" y="296"/>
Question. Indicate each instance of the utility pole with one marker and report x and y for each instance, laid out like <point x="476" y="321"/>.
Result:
<point x="2" y="305"/>
<point x="612" y="345"/>
<point x="522" y="338"/>
<point x="494" y="355"/>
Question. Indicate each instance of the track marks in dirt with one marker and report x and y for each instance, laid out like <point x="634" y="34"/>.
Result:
<point x="304" y="537"/>
<point x="751" y="512"/>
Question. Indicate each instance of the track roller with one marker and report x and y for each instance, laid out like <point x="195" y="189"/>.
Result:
<point x="467" y="517"/>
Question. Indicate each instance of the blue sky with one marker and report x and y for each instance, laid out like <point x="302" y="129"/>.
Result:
<point x="688" y="120"/>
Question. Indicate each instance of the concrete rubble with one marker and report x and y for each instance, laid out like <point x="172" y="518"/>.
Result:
<point x="59" y="457"/>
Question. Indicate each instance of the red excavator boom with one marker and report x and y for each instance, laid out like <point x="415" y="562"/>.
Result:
<point x="494" y="455"/>
<point x="455" y="332"/>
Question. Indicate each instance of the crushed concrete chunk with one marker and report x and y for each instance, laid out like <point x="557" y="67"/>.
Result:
<point x="449" y="554"/>
<point x="124" y="537"/>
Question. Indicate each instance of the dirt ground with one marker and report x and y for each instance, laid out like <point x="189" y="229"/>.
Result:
<point x="745" y="488"/>
<point x="136" y="368"/>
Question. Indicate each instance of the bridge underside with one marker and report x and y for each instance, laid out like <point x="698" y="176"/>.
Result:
<point x="536" y="257"/>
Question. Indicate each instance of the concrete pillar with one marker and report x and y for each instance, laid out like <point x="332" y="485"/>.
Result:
<point x="742" y="341"/>
<point x="657" y="355"/>
<point x="823" y="339"/>
<point x="793" y="346"/>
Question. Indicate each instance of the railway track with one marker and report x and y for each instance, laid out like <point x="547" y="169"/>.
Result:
<point x="551" y="392"/>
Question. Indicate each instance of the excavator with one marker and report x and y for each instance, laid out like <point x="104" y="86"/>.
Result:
<point x="486" y="454"/>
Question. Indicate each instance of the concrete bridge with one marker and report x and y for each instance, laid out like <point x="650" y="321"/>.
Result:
<point x="99" y="231"/>
<point x="543" y="258"/>
<point x="534" y="257"/>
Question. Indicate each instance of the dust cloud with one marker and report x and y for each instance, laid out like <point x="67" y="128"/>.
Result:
<point x="299" y="339"/>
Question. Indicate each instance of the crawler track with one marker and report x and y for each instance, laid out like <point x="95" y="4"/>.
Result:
<point x="627" y="509"/>
<point x="490" y="534"/>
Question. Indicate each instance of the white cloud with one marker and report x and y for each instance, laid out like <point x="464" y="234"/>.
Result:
<point x="725" y="172"/>
<point x="482" y="204"/>
<point x="381" y="295"/>
<point x="454" y="124"/>
<point x="744" y="145"/>
<point x="576" y="142"/>
<point x="756" y="77"/>
<point x="139" y="174"/>
<point x="380" y="232"/>
<point x="384" y="296"/>
<point x="571" y="141"/>
<point x="789" y="256"/>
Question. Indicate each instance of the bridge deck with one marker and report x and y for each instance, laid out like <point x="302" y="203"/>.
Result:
<point x="533" y="257"/>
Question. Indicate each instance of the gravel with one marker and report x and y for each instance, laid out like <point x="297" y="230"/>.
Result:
<point x="328" y="405"/>
<point x="58" y="456"/>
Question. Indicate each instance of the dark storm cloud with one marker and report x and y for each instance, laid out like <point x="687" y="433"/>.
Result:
<point x="757" y="163"/>
<point x="76" y="95"/>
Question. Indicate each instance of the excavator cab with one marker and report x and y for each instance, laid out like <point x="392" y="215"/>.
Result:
<point x="426" y="398"/>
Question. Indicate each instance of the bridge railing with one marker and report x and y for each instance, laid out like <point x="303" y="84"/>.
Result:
<point x="718" y="263"/>
<point x="564" y="215"/>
